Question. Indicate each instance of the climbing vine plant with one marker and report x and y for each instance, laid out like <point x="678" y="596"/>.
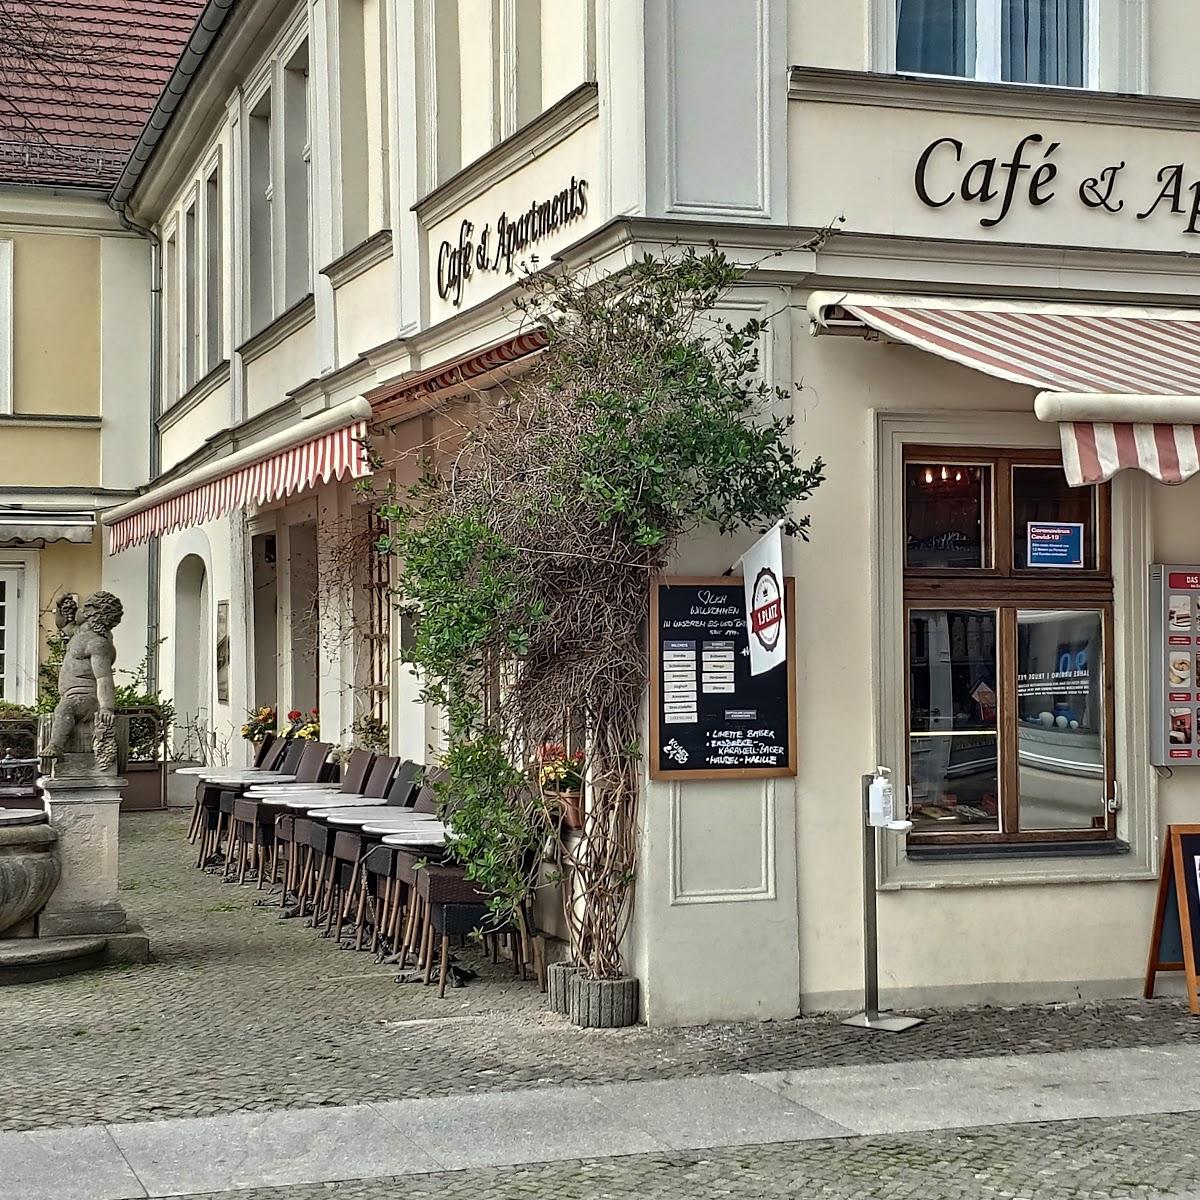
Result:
<point x="525" y="554"/>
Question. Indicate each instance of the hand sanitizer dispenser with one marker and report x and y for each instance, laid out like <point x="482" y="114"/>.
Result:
<point x="881" y="803"/>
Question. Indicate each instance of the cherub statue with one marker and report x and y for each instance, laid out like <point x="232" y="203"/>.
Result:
<point x="85" y="680"/>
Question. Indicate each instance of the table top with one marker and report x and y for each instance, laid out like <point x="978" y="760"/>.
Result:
<point x="416" y="837"/>
<point x="324" y="803"/>
<point x="376" y="812"/>
<point x="249" y="775"/>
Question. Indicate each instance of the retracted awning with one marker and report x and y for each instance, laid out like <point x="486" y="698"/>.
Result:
<point x="1122" y="383"/>
<point x="21" y="524"/>
<point x="326" y="447"/>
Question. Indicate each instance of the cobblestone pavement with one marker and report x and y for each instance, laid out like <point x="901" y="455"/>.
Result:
<point x="1072" y="1160"/>
<point x="241" y="1011"/>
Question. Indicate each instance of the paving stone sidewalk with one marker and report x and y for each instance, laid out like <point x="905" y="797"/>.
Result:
<point x="1075" y="1160"/>
<point x="243" y="1012"/>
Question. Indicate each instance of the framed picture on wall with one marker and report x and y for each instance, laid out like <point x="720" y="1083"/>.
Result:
<point x="223" y="651"/>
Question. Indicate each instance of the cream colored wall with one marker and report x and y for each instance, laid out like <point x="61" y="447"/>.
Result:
<point x="270" y="377"/>
<point x="565" y="47"/>
<point x="1172" y="29"/>
<point x="366" y="311"/>
<point x="65" y="567"/>
<point x="56" y="324"/>
<point x="829" y="35"/>
<point x="189" y="432"/>
<point x="51" y="456"/>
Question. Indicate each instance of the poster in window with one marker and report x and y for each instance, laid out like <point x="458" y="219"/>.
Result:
<point x="223" y="651"/>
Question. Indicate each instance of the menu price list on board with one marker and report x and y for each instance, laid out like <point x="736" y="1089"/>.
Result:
<point x="1181" y="665"/>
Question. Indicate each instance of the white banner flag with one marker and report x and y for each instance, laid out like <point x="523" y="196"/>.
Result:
<point x="762" y="567"/>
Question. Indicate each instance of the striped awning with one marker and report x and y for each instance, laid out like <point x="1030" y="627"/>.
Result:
<point x="324" y="448"/>
<point x="1122" y="383"/>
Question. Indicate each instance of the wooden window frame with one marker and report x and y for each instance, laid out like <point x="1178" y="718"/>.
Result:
<point x="1004" y="589"/>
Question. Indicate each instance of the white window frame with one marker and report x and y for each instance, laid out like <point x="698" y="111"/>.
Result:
<point x="6" y="326"/>
<point x="24" y="655"/>
<point x="1137" y="820"/>
<point x="1117" y="44"/>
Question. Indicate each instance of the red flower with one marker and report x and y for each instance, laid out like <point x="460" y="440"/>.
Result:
<point x="295" y="715"/>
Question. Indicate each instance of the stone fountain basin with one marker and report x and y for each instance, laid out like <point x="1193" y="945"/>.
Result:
<point x="29" y="865"/>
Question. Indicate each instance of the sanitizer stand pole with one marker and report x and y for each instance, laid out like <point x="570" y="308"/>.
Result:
<point x="870" y="1017"/>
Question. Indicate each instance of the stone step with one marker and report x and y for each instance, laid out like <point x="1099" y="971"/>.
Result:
<point x="28" y="960"/>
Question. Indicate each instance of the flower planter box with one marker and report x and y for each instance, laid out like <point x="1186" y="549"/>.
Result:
<point x="143" y="786"/>
<point x="603" y="1003"/>
<point x="558" y="986"/>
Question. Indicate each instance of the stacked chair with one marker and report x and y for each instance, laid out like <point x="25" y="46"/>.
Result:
<point x="363" y="857"/>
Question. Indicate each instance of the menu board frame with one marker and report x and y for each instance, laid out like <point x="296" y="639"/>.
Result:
<point x="785" y="770"/>
<point x="1174" y="642"/>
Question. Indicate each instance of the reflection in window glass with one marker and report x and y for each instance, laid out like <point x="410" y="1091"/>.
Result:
<point x="1043" y="494"/>
<point x="1060" y="703"/>
<point x="935" y="37"/>
<point x="947" y="514"/>
<point x="952" y="719"/>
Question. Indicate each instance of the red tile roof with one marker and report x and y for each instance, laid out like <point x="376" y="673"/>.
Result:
<point x="77" y="82"/>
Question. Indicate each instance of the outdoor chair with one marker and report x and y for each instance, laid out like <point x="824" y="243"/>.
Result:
<point x="267" y="757"/>
<point x="313" y="840"/>
<point x="214" y="822"/>
<point x="248" y="842"/>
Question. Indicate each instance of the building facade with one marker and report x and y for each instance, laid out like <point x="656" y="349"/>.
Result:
<point x="972" y="240"/>
<point x="75" y="309"/>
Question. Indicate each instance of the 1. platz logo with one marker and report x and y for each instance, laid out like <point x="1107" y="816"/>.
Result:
<point x="766" y="617"/>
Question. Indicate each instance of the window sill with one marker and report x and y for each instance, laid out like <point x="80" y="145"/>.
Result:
<point x="994" y="852"/>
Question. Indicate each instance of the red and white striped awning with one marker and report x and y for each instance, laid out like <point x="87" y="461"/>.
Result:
<point x="324" y="448"/>
<point x="1123" y="383"/>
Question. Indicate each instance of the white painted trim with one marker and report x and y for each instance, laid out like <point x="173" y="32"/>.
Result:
<point x="6" y="326"/>
<point x="762" y="143"/>
<point x="764" y="889"/>
<point x="26" y="566"/>
<point x="1138" y="821"/>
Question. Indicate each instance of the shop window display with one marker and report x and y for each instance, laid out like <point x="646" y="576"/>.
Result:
<point x="1009" y="696"/>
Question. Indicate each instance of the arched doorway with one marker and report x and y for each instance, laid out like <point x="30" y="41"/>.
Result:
<point x="192" y="650"/>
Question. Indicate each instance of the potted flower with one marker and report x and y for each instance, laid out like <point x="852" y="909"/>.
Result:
<point x="260" y="723"/>
<point x="560" y="776"/>
<point x="303" y="725"/>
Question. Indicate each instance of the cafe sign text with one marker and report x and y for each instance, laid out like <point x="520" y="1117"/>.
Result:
<point x="948" y="173"/>
<point x="499" y="244"/>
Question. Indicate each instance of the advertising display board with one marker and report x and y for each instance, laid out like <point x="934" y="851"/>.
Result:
<point x="1174" y="659"/>
<point x="1175" y="937"/>
<point x="710" y="718"/>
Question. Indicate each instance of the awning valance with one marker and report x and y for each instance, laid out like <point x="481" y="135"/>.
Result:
<point x="20" y="524"/>
<point x="1123" y="383"/>
<point x="326" y="447"/>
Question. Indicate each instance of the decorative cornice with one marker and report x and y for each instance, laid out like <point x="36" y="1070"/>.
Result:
<point x="555" y="125"/>
<point x="193" y="396"/>
<point x="50" y="420"/>
<point x="358" y="260"/>
<point x="823" y="85"/>
<point x="284" y="325"/>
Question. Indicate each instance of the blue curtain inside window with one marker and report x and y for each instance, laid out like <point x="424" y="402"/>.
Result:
<point x="931" y="36"/>
<point x="1043" y="41"/>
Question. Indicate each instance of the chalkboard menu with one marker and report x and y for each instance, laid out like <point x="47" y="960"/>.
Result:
<point x="709" y="717"/>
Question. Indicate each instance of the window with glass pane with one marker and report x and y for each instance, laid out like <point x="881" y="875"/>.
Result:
<point x="1061" y="719"/>
<point x="1009" y="711"/>
<point x="1014" y="41"/>
<point x="952" y="718"/>
<point x="947" y="514"/>
<point x="1042" y="494"/>
<point x="935" y="37"/>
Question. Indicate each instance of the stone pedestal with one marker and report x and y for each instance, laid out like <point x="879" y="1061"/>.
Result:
<point x="84" y="810"/>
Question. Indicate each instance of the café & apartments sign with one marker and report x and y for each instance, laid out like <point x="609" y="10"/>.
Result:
<point x="497" y="247"/>
<point x="949" y="173"/>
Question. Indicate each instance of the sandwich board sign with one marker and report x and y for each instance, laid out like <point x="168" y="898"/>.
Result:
<point x="1175" y="940"/>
